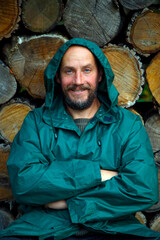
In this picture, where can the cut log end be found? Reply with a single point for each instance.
(144, 32)
(11, 118)
(41, 16)
(128, 73)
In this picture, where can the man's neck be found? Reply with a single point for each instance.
(86, 113)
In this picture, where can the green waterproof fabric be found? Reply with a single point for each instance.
(51, 160)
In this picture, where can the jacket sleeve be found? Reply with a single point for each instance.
(134, 189)
(36, 180)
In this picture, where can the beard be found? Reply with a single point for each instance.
(79, 104)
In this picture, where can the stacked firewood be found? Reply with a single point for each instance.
(31, 31)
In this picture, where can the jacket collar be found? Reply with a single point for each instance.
(61, 119)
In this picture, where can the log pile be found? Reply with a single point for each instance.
(31, 31)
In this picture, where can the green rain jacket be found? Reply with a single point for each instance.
(51, 160)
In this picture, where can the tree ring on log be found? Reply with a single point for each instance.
(144, 32)
(128, 72)
(136, 4)
(41, 15)
(97, 21)
(12, 116)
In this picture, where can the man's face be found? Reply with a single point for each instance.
(79, 77)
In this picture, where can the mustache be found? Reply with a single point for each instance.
(74, 87)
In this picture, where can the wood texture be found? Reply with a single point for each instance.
(128, 73)
(136, 4)
(11, 118)
(5, 190)
(5, 219)
(41, 15)
(144, 33)
(98, 21)
(141, 217)
(8, 84)
(9, 17)
(152, 126)
(155, 223)
(28, 58)
(153, 77)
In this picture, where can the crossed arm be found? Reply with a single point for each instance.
(105, 175)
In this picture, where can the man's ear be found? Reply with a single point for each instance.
(57, 78)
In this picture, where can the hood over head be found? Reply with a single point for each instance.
(107, 93)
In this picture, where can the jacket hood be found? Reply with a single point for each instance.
(107, 93)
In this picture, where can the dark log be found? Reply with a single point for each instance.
(8, 84)
(5, 190)
(153, 77)
(128, 72)
(28, 58)
(12, 116)
(41, 15)
(155, 207)
(152, 126)
(5, 219)
(98, 21)
(143, 32)
(9, 15)
(136, 4)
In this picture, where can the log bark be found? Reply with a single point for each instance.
(136, 4)
(28, 58)
(128, 73)
(152, 126)
(9, 15)
(12, 115)
(41, 15)
(98, 21)
(144, 32)
(8, 84)
(153, 77)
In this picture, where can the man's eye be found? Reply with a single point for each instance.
(68, 71)
(87, 70)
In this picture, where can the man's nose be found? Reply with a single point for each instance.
(78, 78)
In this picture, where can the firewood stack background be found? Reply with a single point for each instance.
(31, 31)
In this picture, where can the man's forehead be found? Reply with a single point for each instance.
(77, 52)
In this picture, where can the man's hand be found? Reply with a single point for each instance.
(107, 174)
(57, 205)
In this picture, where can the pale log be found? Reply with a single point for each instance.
(128, 72)
(153, 77)
(141, 217)
(155, 223)
(9, 17)
(41, 15)
(144, 31)
(12, 116)
(98, 21)
(29, 56)
(8, 84)
(136, 4)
